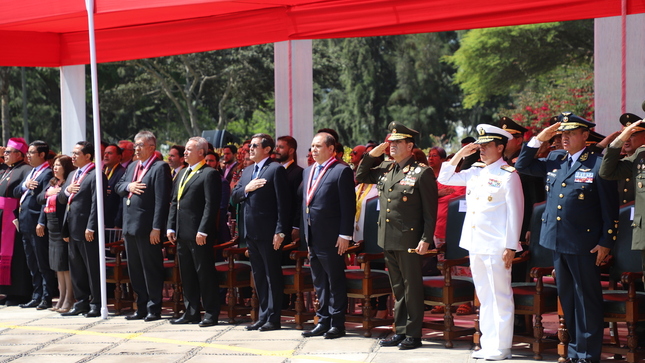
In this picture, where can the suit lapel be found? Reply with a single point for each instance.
(264, 168)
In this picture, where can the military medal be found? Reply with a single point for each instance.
(127, 202)
(417, 170)
(406, 169)
(581, 196)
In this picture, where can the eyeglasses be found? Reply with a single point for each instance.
(254, 146)
(7, 152)
(140, 145)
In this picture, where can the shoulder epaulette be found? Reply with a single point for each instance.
(508, 168)
(479, 164)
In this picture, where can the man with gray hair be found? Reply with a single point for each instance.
(145, 188)
(192, 224)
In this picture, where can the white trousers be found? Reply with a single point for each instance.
(493, 286)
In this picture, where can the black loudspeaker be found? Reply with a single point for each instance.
(220, 138)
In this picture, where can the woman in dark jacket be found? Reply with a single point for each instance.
(52, 215)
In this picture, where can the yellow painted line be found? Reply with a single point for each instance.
(140, 337)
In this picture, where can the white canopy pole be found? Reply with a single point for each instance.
(89, 5)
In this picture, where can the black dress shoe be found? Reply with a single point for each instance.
(31, 304)
(410, 343)
(152, 317)
(269, 326)
(571, 360)
(135, 316)
(393, 341)
(317, 331)
(75, 311)
(207, 322)
(334, 333)
(44, 304)
(255, 326)
(93, 313)
(184, 320)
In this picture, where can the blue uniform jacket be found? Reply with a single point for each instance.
(581, 208)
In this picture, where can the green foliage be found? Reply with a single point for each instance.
(498, 61)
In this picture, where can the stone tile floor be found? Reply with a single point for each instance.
(27, 335)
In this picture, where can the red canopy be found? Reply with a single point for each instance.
(54, 32)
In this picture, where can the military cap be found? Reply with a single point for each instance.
(594, 138)
(511, 126)
(468, 140)
(400, 132)
(629, 118)
(488, 133)
(570, 121)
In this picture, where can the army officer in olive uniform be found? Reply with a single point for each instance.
(408, 202)
(631, 170)
(579, 224)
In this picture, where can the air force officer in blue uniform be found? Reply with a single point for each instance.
(579, 225)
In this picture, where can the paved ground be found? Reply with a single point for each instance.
(27, 335)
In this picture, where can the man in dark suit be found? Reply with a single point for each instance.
(145, 188)
(192, 224)
(229, 162)
(176, 161)
(328, 210)
(408, 202)
(579, 224)
(36, 247)
(79, 229)
(285, 153)
(113, 170)
(285, 150)
(263, 190)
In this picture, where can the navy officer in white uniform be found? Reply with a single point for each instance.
(491, 232)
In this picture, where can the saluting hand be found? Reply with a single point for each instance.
(379, 150)
(629, 130)
(548, 133)
(463, 152)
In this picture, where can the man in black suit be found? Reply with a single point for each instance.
(263, 190)
(176, 161)
(579, 224)
(36, 247)
(79, 229)
(328, 210)
(285, 150)
(229, 161)
(113, 171)
(145, 188)
(192, 224)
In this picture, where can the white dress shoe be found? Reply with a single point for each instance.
(478, 354)
(499, 355)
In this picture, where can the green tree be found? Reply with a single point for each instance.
(500, 61)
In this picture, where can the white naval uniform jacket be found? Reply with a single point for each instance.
(495, 206)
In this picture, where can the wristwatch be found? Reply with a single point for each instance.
(281, 235)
